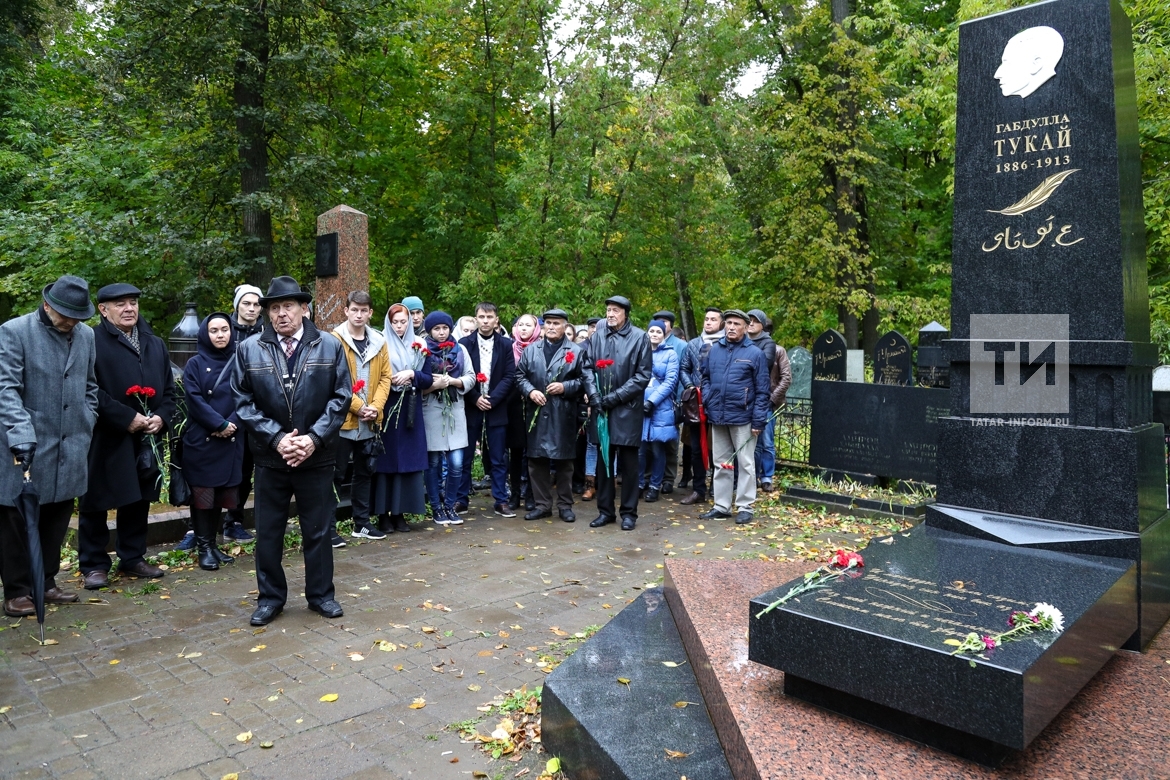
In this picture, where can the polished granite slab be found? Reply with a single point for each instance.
(605, 729)
(888, 623)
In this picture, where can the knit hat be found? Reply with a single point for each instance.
(413, 303)
(243, 290)
(435, 318)
(659, 324)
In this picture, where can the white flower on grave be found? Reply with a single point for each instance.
(1049, 616)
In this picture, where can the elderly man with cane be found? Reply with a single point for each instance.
(48, 407)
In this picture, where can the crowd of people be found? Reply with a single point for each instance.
(555, 411)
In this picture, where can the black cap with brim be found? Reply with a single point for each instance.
(285, 288)
(619, 300)
(557, 314)
(69, 297)
(593, 321)
(736, 313)
(664, 315)
(113, 292)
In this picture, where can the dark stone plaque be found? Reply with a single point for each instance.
(1048, 200)
(933, 366)
(327, 255)
(828, 354)
(887, 430)
(892, 360)
(883, 630)
(800, 360)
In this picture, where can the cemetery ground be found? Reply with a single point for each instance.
(446, 634)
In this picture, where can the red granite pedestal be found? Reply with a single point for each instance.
(353, 264)
(1116, 727)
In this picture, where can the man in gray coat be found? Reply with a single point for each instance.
(551, 377)
(48, 407)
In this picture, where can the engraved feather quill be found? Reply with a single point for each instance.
(1038, 196)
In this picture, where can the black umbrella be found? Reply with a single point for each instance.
(28, 503)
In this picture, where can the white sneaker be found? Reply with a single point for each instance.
(367, 532)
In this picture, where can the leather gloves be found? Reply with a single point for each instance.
(24, 454)
(647, 407)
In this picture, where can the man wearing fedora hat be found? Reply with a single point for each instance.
(123, 471)
(48, 406)
(292, 394)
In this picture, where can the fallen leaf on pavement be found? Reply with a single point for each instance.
(675, 753)
(681, 704)
(265, 745)
(418, 703)
(244, 736)
(329, 697)
(257, 648)
(672, 664)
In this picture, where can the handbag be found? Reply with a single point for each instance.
(690, 406)
(373, 448)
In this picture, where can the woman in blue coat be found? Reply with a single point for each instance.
(658, 425)
(399, 487)
(213, 447)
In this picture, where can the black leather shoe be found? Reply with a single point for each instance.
(602, 520)
(714, 514)
(568, 516)
(743, 517)
(265, 614)
(538, 514)
(141, 569)
(628, 523)
(330, 609)
(96, 579)
(651, 496)
(667, 488)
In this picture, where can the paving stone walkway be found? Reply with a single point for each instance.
(158, 680)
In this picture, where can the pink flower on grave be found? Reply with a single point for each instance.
(989, 642)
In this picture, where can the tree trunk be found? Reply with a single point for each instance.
(251, 72)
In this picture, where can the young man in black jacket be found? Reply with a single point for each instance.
(292, 391)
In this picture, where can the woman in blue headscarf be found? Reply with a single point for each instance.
(213, 445)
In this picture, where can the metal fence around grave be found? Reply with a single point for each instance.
(793, 431)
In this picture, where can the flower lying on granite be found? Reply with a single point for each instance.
(840, 563)
(1043, 617)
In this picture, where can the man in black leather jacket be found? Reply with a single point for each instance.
(292, 391)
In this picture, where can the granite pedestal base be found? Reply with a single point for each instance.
(602, 729)
(887, 624)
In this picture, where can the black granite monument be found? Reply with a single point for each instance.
(933, 367)
(1052, 480)
(829, 357)
(893, 360)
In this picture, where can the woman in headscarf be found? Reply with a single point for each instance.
(526, 331)
(443, 416)
(213, 446)
(464, 328)
(399, 487)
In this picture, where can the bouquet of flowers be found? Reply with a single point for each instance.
(841, 562)
(421, 354)
(446, 363)
(1042, 617)
(556, 377)
(155, 457)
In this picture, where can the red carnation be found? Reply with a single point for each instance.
(447, 345)
(416, 346)
(847, 560)
(148, 392)
(481, 377)
(728, 466)
(568, 357)
(426, 352)
(603, 363)
(358, 386)
(135, 390)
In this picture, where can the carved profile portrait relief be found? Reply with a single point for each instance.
(1029, 60)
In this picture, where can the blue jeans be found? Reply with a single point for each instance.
(766, 452)
(434, 476)
(496, 465)
(655, 452)
(590, 459)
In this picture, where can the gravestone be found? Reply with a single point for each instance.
(828, 354)
(892, 360)
(1052, 477)
(887, 430)
(854, 365)
(343, 252)
(800, 361)
(933, 367)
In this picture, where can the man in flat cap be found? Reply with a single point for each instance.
(551, 378)
(735, 396)
(617, 371)
(48, 407)
(136, 400)
(292, 390)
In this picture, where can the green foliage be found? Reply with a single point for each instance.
(533, 153)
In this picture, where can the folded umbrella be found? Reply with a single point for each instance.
(603, 441)
(28, 504)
